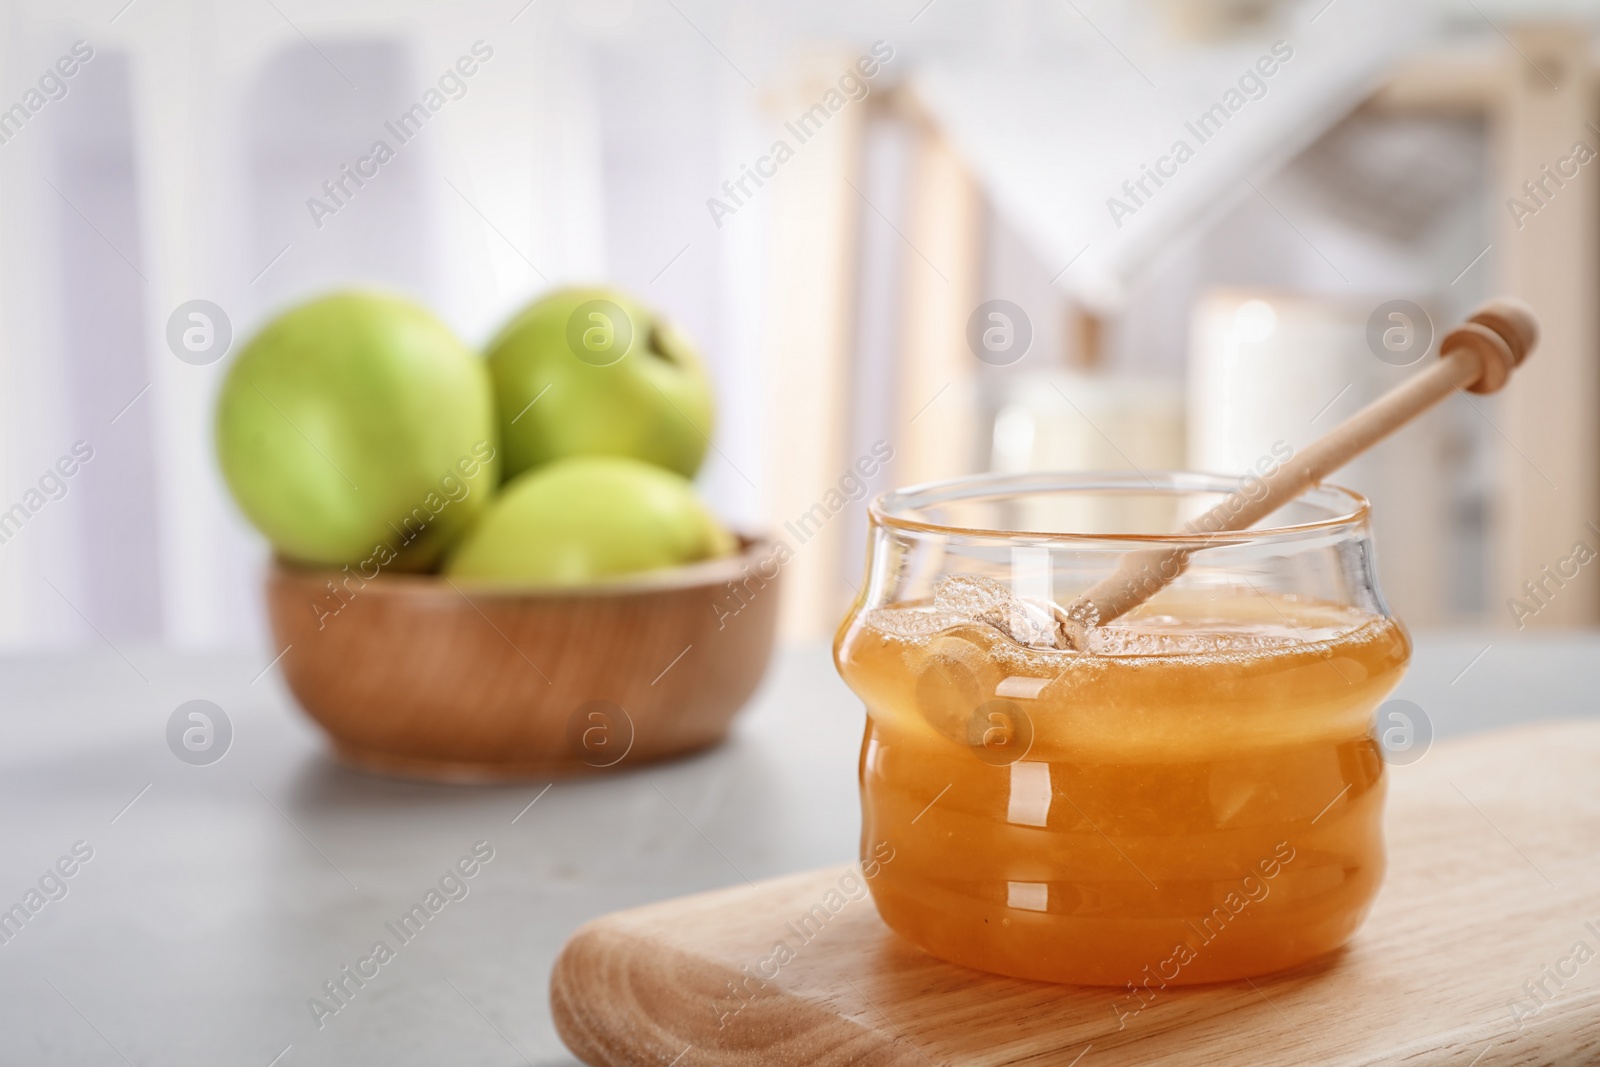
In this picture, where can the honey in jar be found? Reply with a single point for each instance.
(1196, 796)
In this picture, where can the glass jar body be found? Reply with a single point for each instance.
(1196, 797)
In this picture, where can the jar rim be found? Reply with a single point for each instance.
(1349, 509)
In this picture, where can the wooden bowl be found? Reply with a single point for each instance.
(426, 677)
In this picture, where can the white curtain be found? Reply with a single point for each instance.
(178, 166)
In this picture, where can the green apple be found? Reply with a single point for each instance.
(593, 372)
(357, 427)
(585, 519)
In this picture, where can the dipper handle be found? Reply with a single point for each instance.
(1478, 356)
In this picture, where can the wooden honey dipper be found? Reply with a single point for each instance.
(1478, 356)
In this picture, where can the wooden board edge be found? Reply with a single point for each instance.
(619, 1000)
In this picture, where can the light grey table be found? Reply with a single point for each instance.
(219, 899)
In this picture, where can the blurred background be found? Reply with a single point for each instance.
(989, 252)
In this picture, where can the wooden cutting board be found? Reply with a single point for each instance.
(1494, 880)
